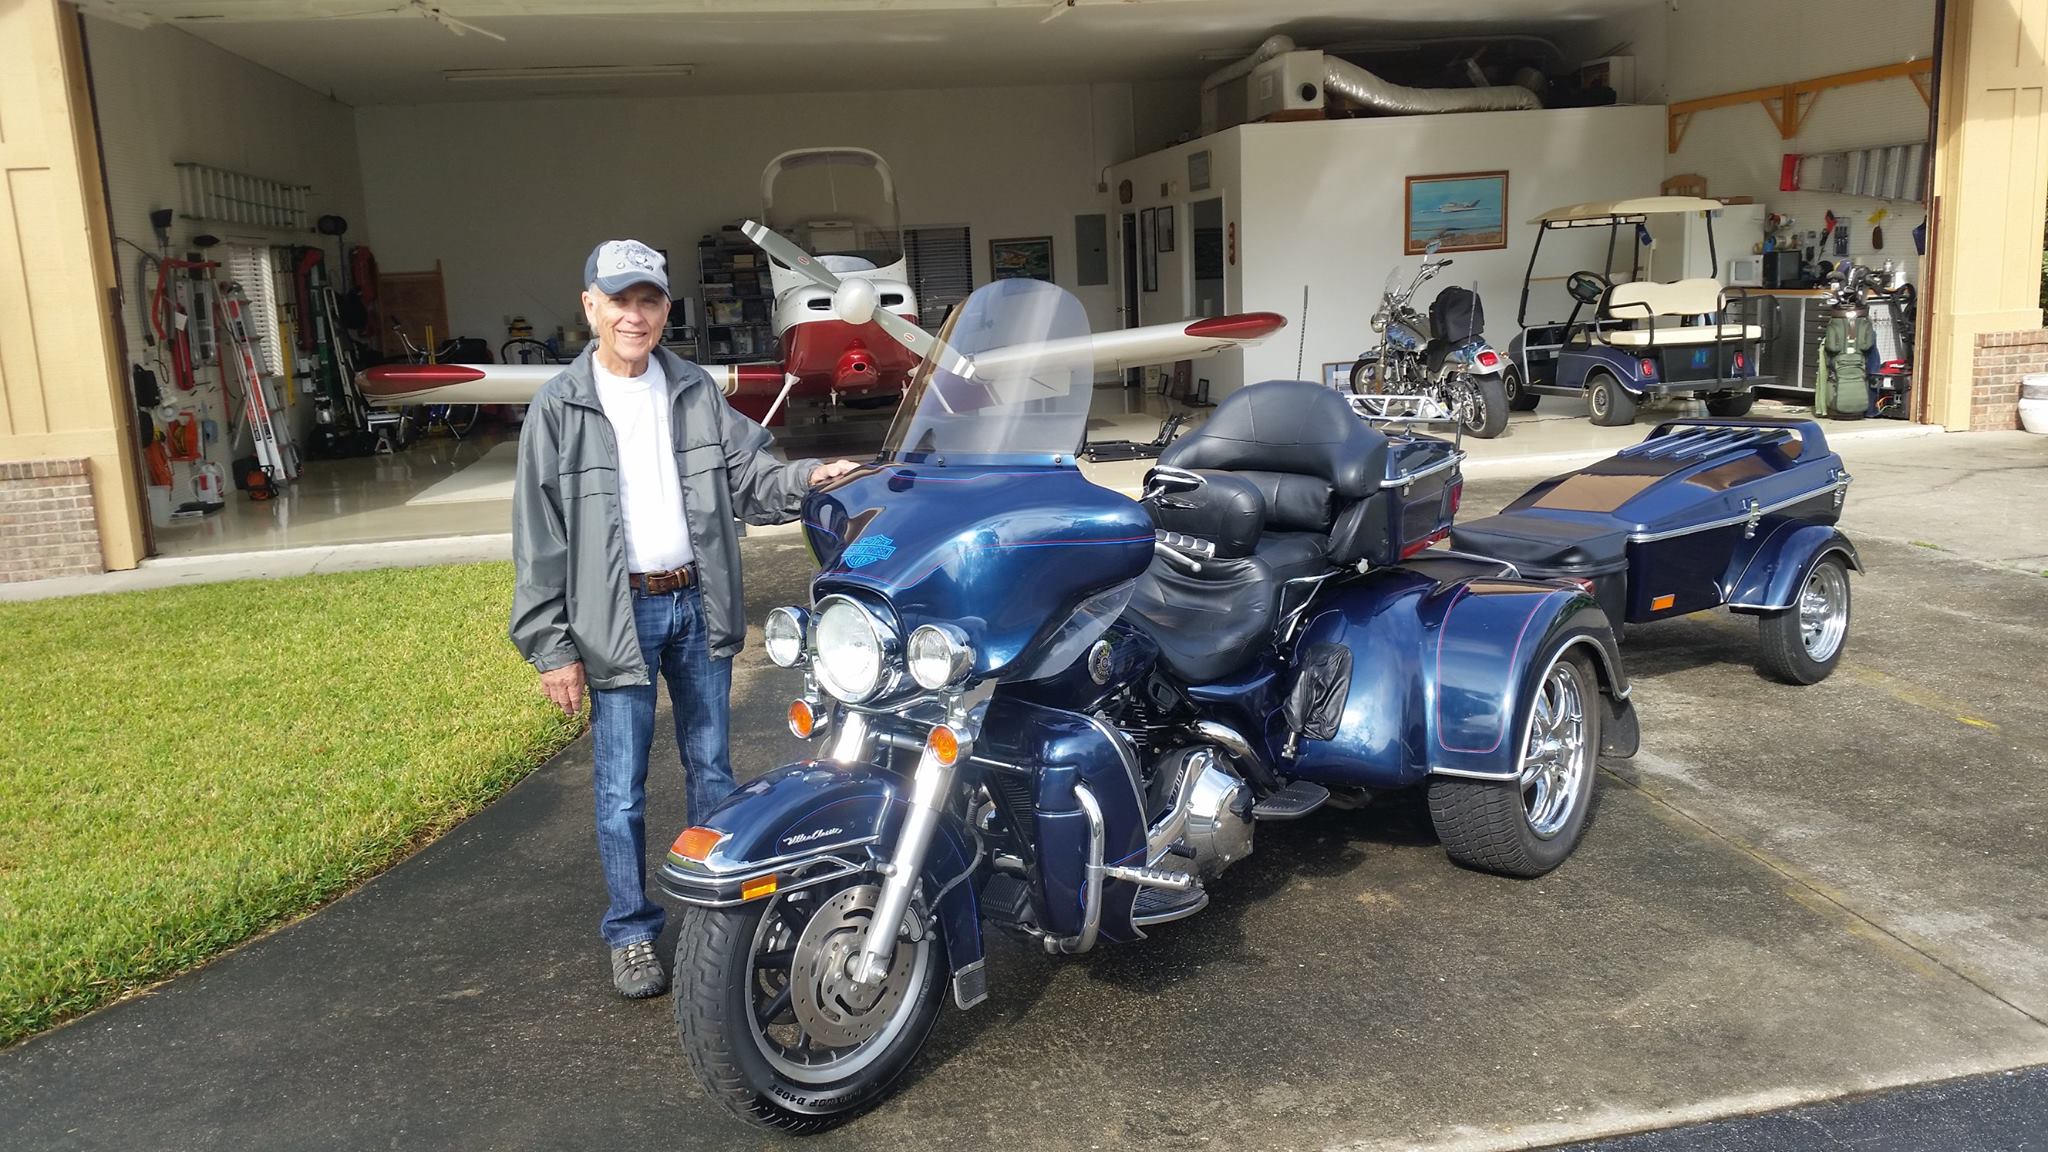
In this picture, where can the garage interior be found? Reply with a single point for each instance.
(446, 169)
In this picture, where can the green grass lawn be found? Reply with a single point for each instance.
(180, 769)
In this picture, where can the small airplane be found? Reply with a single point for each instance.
(847, 317)
(1458, 206)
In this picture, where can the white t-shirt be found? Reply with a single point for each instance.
(650, 490)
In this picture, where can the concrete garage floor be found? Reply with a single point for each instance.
(1790, 895)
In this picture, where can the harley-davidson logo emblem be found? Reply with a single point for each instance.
(868, 550)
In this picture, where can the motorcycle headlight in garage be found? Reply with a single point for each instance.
(853, 649)
(939, 656)
(783, 636)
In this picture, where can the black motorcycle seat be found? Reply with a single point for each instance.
(1210, 624)
(1290, 426)
(1292, 555)
(1549, 545)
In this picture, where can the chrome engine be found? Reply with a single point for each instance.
(1208, 811)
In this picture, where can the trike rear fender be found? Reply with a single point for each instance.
(1441, 674)
(1766, 575)
(811, 822)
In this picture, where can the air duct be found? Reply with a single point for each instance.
(1357, 85)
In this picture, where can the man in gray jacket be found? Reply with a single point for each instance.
(631, 466)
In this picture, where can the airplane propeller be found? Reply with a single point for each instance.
(853, 301)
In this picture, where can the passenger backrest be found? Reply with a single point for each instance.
(1642, 299)
(1289, 428)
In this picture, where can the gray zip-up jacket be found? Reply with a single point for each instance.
(571, 601)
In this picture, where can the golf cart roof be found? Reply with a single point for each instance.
(1623, 211)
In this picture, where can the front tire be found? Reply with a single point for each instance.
(1528, 825)
(1520, 399)
(1367, 378)
(772, 1027)
(1803, 643)
(1607, 402)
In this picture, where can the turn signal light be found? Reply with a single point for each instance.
(802, 721)
(696, 843)
(755, 889)
(943, 745)
(1662, 602)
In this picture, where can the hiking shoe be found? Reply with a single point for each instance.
(636, 973)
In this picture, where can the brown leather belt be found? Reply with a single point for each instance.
(657, 583)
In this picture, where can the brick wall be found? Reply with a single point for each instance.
(2002, 360)
(47, 526)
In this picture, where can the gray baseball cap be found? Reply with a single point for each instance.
(616, 265)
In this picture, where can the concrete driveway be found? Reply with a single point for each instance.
(1791, 894)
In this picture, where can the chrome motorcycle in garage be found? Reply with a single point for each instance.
(1444, 356)
(1046, 706)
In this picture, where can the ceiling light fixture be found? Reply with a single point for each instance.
(572, 72)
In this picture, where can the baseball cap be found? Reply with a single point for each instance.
(616, 265)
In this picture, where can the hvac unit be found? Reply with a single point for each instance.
(1289, 82)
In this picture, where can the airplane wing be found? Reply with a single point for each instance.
(393, 385)
(1136, 347)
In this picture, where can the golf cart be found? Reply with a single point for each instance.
(1637, 338)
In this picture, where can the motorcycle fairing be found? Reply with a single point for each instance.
(951, 544)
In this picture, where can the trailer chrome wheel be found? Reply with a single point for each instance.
(776, 1029)
(1803, 643)
(1528, 824)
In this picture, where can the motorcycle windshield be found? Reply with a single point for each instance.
(1018, 373)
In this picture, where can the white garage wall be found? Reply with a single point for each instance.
(162, 97)
(1738, 149)
(1320, 204)
(510, 197)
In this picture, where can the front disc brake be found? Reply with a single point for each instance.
(833, 1009)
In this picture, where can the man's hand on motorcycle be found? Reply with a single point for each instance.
(832, 471)
(564, 686)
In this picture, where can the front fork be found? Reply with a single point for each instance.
(931, 786)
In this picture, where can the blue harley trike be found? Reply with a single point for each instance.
(1051, 708)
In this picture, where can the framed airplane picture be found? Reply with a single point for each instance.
(1460, 212)
(1025, 256)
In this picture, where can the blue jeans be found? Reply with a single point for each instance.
(674, 643)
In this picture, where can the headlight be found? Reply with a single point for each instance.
(939, 656)
(784, 636)
(1379, 321)
(852, 649)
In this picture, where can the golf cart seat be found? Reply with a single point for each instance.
(1647, 300)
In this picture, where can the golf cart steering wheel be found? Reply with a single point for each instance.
(1587, 287)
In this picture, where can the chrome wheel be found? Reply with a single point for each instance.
(1824, 612)
(1556, 756)
(811, 1021)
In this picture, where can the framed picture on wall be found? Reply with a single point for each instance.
(1461, 212)
(1338, 375)
(1029, 257)
(1148, 251)
(1198, 170)
(1162, 231)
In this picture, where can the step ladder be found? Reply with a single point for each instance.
(274, 450)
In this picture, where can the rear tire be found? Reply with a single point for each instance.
(1491, 419)
(1519, 399)
(1736, 404)
(1607, 402)
(1527, 826)
(1803, 643)
(720, 976)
